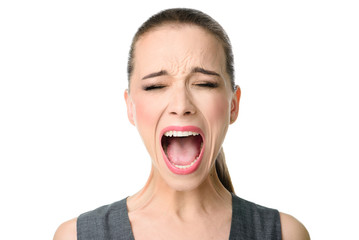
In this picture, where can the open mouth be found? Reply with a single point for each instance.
(182, 150)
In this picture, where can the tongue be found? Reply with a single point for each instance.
(183, 150)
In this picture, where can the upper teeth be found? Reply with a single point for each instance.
(180, 133)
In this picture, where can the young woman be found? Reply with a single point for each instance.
(182, 98)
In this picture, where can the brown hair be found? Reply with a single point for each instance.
(192, 16)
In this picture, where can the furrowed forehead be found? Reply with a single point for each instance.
(169, 47)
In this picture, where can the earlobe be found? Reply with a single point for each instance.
(235, 104)
(129, 105)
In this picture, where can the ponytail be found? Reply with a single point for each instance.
(223, 173)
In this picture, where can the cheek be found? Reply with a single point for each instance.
(217, 114)
(217, 110)
(147, 115)
(144, 113)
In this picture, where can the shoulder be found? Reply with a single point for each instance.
(103, 213)
(253, 221)
(292, 229)
(250, 210)
(67, 231)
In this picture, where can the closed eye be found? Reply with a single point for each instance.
(207, 85)
(153, 87)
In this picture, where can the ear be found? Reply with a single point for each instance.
(235, 104)
(130, 106)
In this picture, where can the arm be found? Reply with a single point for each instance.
(292, 229)
(67, 231)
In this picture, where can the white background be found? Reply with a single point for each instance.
(67, 147)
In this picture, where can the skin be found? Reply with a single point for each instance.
(196, 202)
(180, 79)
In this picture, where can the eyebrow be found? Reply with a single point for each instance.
(194, 70)
(155, 74)
(204, 71)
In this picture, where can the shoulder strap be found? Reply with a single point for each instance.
(252, 221)
(105, 223)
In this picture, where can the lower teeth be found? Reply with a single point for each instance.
(185, 166)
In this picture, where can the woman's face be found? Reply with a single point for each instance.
(181, 101)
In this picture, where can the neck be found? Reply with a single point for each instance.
(157, 195)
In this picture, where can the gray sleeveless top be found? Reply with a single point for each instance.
(249, 222)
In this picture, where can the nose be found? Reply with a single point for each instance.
(180, 103)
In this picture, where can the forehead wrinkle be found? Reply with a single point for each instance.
(188, 64)
(181, 65)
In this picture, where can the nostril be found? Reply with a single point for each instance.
(184, 113)
(181, 106)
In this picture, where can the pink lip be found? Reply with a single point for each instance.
(192, 168)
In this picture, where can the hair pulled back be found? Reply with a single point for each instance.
(198, 18)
